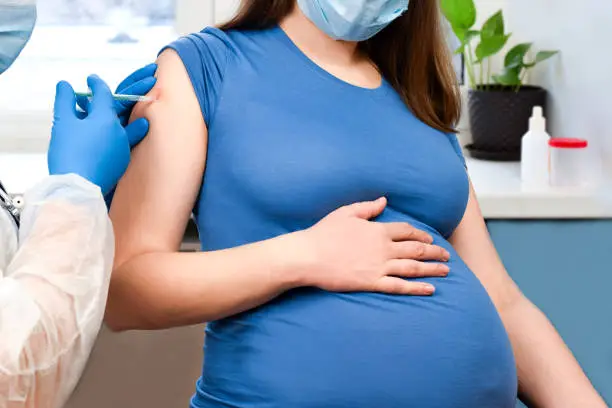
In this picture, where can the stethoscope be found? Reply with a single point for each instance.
(12, 205)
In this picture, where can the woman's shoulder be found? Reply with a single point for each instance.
(206, 54)
(219, 48)
(211, 42)
(215, 37)
(211, 55)
(231, 43)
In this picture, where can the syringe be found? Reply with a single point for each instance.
(119, 97)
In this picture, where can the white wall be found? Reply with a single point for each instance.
(580, 78)
(225, 9)
(193, 15)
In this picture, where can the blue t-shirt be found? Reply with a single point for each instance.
(288, 143)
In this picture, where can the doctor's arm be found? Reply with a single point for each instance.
(53, 292)
(53, 287)
(154, 286)
(549, 375)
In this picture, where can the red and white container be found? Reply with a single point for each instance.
(568, 162)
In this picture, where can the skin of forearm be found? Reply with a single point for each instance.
(549, 375)
(164, 290)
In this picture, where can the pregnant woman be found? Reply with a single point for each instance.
(263, 128)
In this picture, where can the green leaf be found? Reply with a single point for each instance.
(459, 32)
(544, 55)
(490, 46)
(540, 56)
(468, 36)
(460, 13)
(516, 56)
(492, 37)
(510, 76)
(471, 34)
(493, 27)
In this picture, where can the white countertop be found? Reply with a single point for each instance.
(502, 196)
(497, 185)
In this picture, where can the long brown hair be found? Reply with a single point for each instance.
(411, 54)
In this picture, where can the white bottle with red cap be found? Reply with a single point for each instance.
(534, 152)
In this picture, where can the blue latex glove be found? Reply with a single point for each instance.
(138, 83)
(96, 147)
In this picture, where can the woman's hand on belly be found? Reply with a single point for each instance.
(349, 253)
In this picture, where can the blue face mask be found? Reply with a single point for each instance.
(352, 20)
(17, 19)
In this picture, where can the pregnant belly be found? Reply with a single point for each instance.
(314, 349)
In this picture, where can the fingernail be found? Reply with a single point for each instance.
(429, 288)
(447, 255)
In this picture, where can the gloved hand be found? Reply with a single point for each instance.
(137, 83)
(96, 147)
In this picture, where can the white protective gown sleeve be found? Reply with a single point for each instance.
(53, 289)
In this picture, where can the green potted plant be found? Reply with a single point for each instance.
(500, 104)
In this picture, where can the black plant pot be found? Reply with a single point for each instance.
(499, 117)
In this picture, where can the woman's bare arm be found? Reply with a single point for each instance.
(153, 286)
(549, 376)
